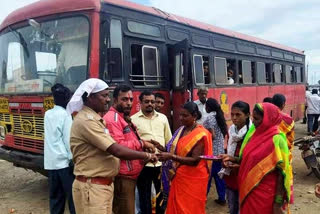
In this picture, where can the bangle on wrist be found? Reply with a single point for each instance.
(147, 156)
(174, 157)
(142, 143)
(278, 199)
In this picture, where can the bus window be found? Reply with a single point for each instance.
(198, 69)
(178, 70)
(46, 64)
(201, 69)
(145, 65)
(298, 74)
(116, 34)
(206, 69)
(268, 73)
(150, 30)
(15, 65)
(288, 74)
(115, 43)
(220, 70)
(231, 71)
(277, 72)
(245, 71)
(261, 72)
(37, 58)
(253, 72)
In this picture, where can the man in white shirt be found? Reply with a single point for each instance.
(57, 153)
(151, 125)
(201, 103)
(308, 93)
(313, 111)
(230, 79)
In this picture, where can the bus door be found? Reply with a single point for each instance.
(179, 68)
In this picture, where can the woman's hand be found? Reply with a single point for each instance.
(229, 161)
(233, 165)
(148, 147)
(277, 208)
(317, 190)
(164, 156)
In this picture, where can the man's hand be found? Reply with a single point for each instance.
(317, 190)
(149, 147)
(158, 145)
(151, 158)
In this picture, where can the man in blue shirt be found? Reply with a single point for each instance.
(57, 154)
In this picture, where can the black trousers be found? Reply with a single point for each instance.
(144, 182)
(60, 189)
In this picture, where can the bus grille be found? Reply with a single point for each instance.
(29, 144)
(5, 117)
(28, 126)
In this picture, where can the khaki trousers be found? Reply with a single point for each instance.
(124, 196)
(91, 198)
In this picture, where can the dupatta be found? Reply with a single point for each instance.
(287, 127)
(270, 150)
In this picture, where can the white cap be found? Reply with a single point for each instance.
(91, 86)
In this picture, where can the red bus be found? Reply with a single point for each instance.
(68, 41)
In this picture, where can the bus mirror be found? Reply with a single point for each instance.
(35, 24)
(114, 62)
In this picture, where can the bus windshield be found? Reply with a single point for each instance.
(35, 57)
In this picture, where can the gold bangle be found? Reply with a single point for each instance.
(148, 156)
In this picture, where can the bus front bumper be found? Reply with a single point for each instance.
(22, 159)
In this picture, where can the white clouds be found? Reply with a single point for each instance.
(277, 21)
(294, 23)
(313, 57)
(9, 6)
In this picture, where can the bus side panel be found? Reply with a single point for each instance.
(178, 99)
(300, 91)
(290, 95)
(262, 92)
(94, 53)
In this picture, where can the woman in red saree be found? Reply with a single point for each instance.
(264, 174)
(187, 175)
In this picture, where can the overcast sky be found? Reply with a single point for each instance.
(295, 23)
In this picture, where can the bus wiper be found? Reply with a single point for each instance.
(21, 39)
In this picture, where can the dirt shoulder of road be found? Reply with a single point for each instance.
(25, 192)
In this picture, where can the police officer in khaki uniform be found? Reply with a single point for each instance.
(95, 153)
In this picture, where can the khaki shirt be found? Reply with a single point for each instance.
(89, 142)
(156, 128)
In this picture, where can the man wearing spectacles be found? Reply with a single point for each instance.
(151, 125)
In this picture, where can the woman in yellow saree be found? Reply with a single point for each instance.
(184, 173)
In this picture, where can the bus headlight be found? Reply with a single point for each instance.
(2, 132)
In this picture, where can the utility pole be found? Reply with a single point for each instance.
(307, 74)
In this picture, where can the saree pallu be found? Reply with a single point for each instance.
(188, 189)
(264, 154)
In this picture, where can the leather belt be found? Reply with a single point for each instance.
(95, 180)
